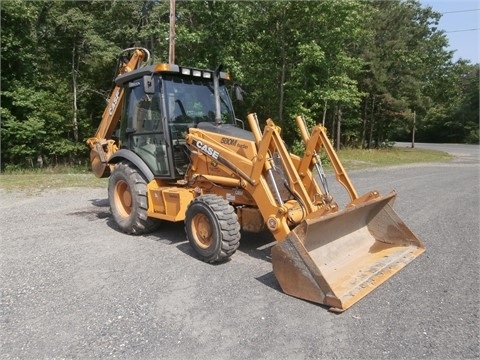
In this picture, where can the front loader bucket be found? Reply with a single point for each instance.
(339, 258)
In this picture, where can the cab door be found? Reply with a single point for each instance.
(143, 126)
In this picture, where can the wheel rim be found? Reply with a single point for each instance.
(123, 198)
(202, 231)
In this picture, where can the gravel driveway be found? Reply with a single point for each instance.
(72, 286)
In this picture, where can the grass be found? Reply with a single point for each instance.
(38, 180)
(34, 182)
(355, 159)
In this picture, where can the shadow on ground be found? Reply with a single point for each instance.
(256, 245)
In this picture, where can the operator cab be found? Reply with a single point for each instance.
(161, 103)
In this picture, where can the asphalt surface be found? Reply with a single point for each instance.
(72, 286)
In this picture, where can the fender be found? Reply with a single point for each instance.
(124, 154)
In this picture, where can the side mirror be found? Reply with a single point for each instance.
(148, 85)
(238, 92)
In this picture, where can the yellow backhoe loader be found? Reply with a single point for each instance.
(173, 150)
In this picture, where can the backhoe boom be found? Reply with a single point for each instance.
(102, 146)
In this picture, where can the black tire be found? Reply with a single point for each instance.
(212, 228)
(127, 194)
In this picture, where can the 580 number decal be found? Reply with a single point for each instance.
(228, 141)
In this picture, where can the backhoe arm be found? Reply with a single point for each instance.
(101, 145)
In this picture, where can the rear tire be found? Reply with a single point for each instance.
(127, 194)
(212, 228)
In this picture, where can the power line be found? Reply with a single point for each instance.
(459, 11)
(454, 31)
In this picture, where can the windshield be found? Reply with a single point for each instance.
(190, 101)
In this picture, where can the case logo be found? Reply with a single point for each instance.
(207, 149)
(114, 102)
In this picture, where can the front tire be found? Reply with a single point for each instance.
(127, 194)
(212, 228)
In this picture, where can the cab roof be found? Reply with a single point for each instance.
(168, 69)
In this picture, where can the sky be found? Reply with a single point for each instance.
(459, 19)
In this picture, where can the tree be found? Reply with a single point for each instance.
(454, 115)
(360, 68)
(404, 60)
(64, 54)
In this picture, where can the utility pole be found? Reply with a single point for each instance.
(413, 130)
(339, 128)
(171, 50)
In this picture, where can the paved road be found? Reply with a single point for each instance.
(72, 286)
(463, 151)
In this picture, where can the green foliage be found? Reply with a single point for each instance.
(361, 67)
(456, 118)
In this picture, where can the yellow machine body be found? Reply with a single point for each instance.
(236, 179)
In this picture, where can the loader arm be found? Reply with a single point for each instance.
(241, 172)
(313, 145)
(101, 144)
(253, 172)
